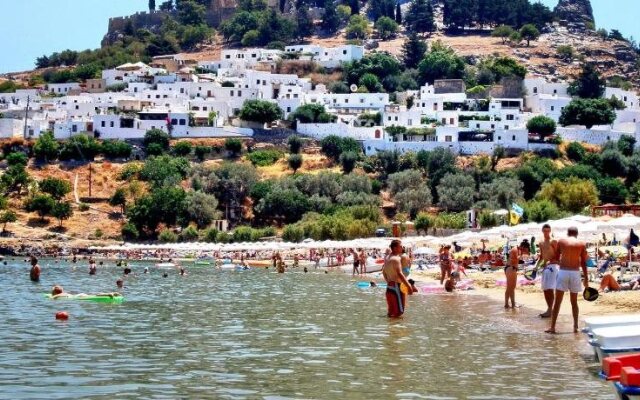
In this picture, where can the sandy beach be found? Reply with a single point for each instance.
(532, 297)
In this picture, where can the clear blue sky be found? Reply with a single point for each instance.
(32, 28)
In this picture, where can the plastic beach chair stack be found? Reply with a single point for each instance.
(616, 342)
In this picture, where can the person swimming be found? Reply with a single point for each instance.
(34, 274)
(57, 292)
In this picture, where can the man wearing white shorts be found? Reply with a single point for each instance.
(572, 256)
(549, 263)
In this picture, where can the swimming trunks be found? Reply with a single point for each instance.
(569, 281)
(549, 277)
(395, 300)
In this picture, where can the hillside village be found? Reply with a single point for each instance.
(203, 101)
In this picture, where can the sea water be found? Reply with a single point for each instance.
(261, 335)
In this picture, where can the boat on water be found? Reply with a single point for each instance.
(616, 340)
(608, 321)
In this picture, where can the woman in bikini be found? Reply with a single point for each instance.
(511, 273)
(445, 263)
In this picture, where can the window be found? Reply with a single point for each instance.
(111, 124)
(195, 108)
(435, 107)
(239, 93)
(555, 91)
(174, 121)
(513, 138)
(288, 109)
(389, 118)
(344, 52)
(451, 121)
(361, 101)
(506, 127)
(74, 128)
(377, 134)
(410, 122)
(183, 121)
(535, 90)
(478, 126)
(510, 117)
(493, 126)
(204, 108)
(444, 121)
(499, 137)
(447, 138)
(77, 107)
(231, 93)
(103, 124)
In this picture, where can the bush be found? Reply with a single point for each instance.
(295, 144)
(572, 195)
(487, 219)
(158, 137)
(211, 235)
(613, 163)
(129, 232)
(116, 149)
(46, 147)
(293, 233)
(233, 146)
(202, 151)
(154, 149)
(182, 149)
(541, 125)
(189, 234)
(575, 152)
(295, 162)
(264, 158)
(348, 161)
(386, 27)
(541, 211)
(130, 171)
(83, 207)
(167, 236)
(611, 191)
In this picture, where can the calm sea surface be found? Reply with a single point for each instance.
(260, 335)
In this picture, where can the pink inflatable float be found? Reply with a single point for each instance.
(432, 289)
(522, 281)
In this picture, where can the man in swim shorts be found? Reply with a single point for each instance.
(549, 264)
(572, 256)
(34, 274)
(392, 273)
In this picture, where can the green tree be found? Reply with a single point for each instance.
(348, 161)
(344, 12)
(529, 32)
(456, 192)
(119, 199)
(412, 201)
(158, 137)
(201, 208)
(542, 126)
(575, 151)
(295, 144)
(589, 84)
(201, 152)
(614, 163)
(182, 149)
(304, 22)
(409, 179)
(502, 192)
(370, 82)
(566, 52)
(587, 112)
(292, 233)
(233, 146)
(611, 191)
(295, 162)
(504, 32)
(413, 51)
(419, 18)
(116, 149)
(311, 113)
(190, 12)
(284, 205)
(423, 222)
(333, 146)
(358, 27)
(626, 145)
(261, 111)
(42, 204)
(330, 20)
(386, 27)
(56, 188)
(440, 63)
(152, 5)
(165, 170)
(46, 147)
(7, 217)
(572, 195)
(62, 210)
(541, 211)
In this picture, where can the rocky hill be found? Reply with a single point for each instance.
(575, 12)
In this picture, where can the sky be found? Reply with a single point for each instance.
(38, 27)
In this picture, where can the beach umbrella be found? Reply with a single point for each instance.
(626, 221)
(424, 251)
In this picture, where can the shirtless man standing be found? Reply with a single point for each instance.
(392, 273)
(549, 263)
(34, 274)
(572, 256)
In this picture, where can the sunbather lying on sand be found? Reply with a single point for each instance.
(609, 284)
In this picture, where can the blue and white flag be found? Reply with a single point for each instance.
(517, 209)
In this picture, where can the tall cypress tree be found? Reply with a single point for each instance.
(152, 5)
(419, 19)
(398, 14)
(355, 6)
(330, 20)
(413, 51)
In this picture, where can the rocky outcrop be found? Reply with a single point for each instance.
(576, 13)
